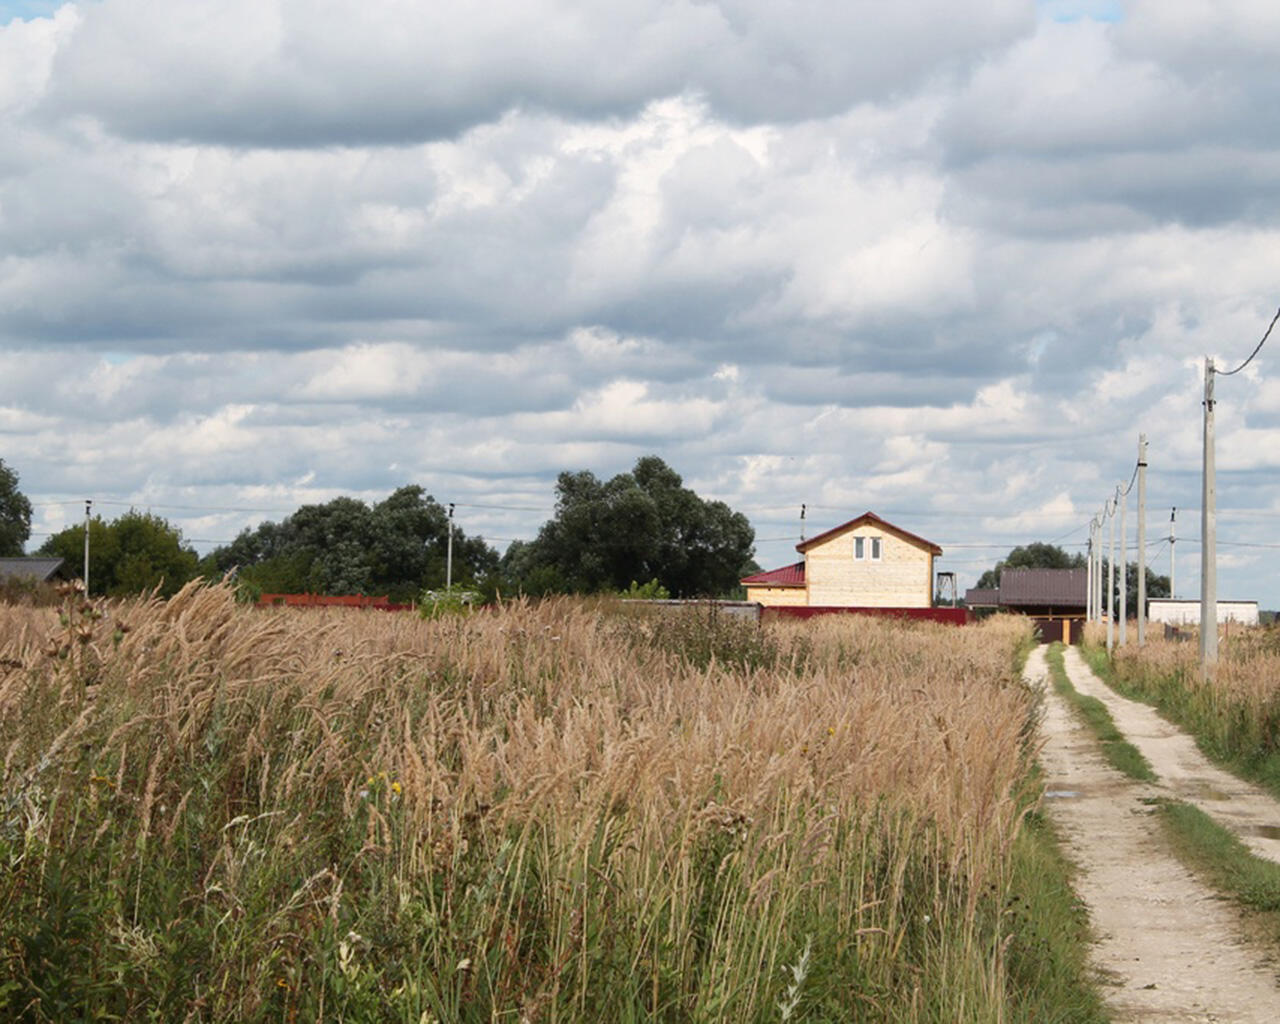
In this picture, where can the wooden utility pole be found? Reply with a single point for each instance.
(1208, 535)
(1173, 552)
(448, 558)
(1142, 539)
(88, 505)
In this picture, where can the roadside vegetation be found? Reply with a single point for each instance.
(548, 811)
(1119, 752)
(1234, 717)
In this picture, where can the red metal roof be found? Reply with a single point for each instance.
(787, 576)
(870, 517)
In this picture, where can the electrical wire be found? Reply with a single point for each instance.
(1228, 373)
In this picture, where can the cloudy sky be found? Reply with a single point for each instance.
(943, 261)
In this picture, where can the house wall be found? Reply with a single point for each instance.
(903, 578)
(1187, 613)
(778, 597)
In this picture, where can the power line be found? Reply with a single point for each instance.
(1228, 373)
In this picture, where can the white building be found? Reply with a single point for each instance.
(1178, 612)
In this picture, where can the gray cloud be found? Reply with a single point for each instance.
(259, 254)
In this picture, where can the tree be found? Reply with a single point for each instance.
(1157, 586)
(129, 555)
(397, 547)
(642, 525)
(15, 514)
(1032, 556)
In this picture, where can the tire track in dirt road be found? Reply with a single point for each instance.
(1167, 948)
(1185, 773)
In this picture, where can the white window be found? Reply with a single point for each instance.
(875, 549)
(859, 548)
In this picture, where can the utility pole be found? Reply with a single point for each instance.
(88, 505)
(1208, 535)
(1123, 581)
(1173, 553)
(448, 559)
(802, 521)
(1098, 520)
(1088, 578)
(1142, 539)
(1111, 578)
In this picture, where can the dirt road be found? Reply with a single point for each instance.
(1167, 947)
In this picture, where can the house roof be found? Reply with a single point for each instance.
(982, 597)
(787, 576)
(1066, 588)
(869, 517)
(39, 569)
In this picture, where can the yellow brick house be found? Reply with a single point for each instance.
(864, 563)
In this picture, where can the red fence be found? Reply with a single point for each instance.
(382, 604)
(950, 616)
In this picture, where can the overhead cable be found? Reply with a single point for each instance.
(1228, 373)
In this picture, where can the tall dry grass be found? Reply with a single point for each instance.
(558, 811)
(1234, 710)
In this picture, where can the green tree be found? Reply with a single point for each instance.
(642, 525)
(1157, 586)
(135, 553)
(397, 547)
(1032, 556)
(15, 514)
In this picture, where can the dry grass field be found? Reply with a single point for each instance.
(566, 811)
(1234, 713)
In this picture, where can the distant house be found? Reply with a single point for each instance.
(1056, 598)
(864, 563)
(1176, 612)
(32, 570)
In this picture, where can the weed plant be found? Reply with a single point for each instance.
(548, 812)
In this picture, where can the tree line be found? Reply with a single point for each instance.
(638, 527)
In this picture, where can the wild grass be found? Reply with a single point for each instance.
(1122, 755)
(1220, 857)
(551, 812)
(1234, 713)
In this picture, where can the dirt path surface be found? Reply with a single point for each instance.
(1167, 947)
(1185, 773)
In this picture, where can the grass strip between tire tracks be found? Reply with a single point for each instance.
(1119, 752)
(1222, 859)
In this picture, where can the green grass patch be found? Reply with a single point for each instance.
(1221, 858)
(1048, 933)
(1119, 752)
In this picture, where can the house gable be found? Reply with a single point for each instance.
(866, 562)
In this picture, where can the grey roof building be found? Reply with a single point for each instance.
(38, 570)
(1035, 592)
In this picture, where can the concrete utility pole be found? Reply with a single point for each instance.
(1173, 553)
(1099, 519)
(1111, 579)
(802, 521)
(1208, 535)
(88, 505)
(1123, 597)
(1142, 539)
(1088, 577)
(448, 558)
